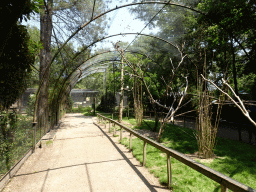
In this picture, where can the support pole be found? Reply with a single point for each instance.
(120, 115)
(121, 134)
(114, 132)
(130, 146)
(94, 106)
(144, 153)
(224, 188)
(34, 137)
(169, 171)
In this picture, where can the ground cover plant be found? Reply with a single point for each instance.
(232, 158)
(87, 111)
(19, 143)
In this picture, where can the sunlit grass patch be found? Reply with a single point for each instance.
(234, 159)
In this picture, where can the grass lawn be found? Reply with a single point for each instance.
(234, 159)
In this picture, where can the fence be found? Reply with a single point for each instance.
(18, 142)
(225, 181)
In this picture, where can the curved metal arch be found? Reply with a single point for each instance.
(67, 79)
(65, 90)
(74, 70)
(96, 17)
(122, 6)
(85, 48)
(102, 14)
(77, 67)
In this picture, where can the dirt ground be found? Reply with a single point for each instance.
(82, 157)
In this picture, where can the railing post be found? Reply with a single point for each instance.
(144, 153)
(34, 137)
(223, 188)
(105, 123)
(169, 171)
(130, 141)
(184, 119)
(109, 126)
(112, 116)
(121, 134)
(114, 132)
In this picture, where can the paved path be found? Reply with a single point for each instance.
(82, 157)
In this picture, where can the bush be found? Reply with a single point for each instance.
(107, 103)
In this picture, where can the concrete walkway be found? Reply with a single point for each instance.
(82, 157)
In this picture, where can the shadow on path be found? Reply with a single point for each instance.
(150, 187)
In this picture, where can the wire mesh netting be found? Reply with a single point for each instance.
(157, 42)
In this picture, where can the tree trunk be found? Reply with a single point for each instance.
(45, 59)
(156, 118)
(122, 89)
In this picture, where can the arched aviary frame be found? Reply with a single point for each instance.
(98, 16)
(77, 67)
(66, 84)
(84, 49)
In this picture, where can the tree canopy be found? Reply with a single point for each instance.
(17, 52)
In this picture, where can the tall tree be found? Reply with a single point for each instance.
(55, 15)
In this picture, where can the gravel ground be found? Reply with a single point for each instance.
(82, 157)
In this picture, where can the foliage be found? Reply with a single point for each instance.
(15, 60)
(206, 132)
(31, 105)
(93, 81)
(107, 102)
(81, 109)
(35, 47)
(8, 127)
(69, 103)
(15, 139)
(225, 37)
(138, 105)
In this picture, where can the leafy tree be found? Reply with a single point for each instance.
(227, 32)
(16, 50)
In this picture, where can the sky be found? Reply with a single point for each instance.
(122, 22)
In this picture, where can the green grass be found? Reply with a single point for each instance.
(236, 160)
(87, 111)
(48, 142)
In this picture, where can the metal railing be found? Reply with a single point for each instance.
(225, 181)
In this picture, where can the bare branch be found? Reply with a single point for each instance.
(241, 106)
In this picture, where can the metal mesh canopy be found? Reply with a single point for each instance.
(97, 25)
(92, 28)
